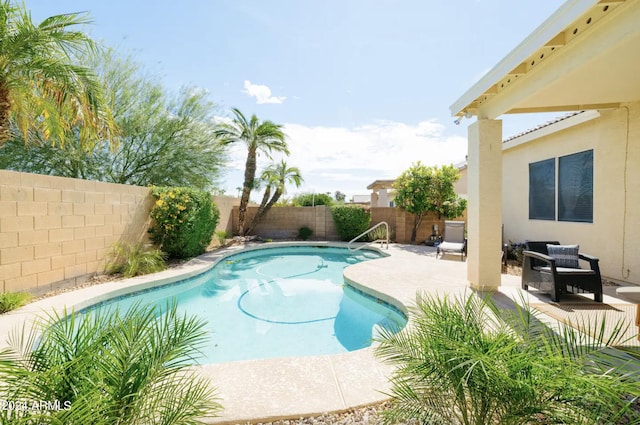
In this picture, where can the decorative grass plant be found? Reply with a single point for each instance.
(134, 260)
(12, 300)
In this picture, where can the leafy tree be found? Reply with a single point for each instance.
(165, 140)
(312, 199)
(109, 367)
(258, 137)
(41, 88)
(422, 189)
(339, 196)
(466, 362)
(274, 177)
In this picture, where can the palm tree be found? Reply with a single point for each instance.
(466, 361)
(109, 366)
(41, 88)
(259, 137)
(275, 176)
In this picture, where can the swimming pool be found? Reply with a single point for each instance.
(278, 302)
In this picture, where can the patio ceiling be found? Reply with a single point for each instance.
(585, 56)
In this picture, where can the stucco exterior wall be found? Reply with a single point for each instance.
(614, 235)
(225, 205)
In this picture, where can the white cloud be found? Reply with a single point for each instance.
(261, 92)
(348, 159)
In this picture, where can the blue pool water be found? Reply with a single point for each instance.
(276, 302)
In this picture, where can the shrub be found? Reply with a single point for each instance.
(184, 220)
(12, 300)
(221, 237)
(108, 367)
(350, 221)
(467, 362)
(134, 260)
(379, 233)
(304, 233)
(514, 251)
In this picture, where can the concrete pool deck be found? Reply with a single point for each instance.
(270, 389)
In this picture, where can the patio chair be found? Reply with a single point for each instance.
(557, 271)
(454, 240)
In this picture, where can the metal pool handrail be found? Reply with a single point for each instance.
(366, 232)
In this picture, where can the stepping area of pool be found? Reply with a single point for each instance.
(270, 389)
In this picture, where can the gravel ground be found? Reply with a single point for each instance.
(368, 415)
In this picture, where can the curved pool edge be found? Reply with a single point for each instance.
(311, 385)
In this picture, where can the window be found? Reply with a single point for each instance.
(542, 190)
(575, 187)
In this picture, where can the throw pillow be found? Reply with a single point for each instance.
(565, 255)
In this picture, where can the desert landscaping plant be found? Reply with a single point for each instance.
(464, 361)
(350, 221)
(41, 88)
(304, 233)
(274, 178)
(221, 237)
(184, 220)
(108, 367)
(263, 137)
(12, 300)
(131, 259)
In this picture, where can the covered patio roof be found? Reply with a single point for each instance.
(585, 56)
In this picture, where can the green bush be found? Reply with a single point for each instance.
(304, 233)
(12, 300)
(350, 221)
(221, 237)
(134, 260)
(184, 221)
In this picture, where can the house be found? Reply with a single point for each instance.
(364, 200)
(382, 192)
(574, 180)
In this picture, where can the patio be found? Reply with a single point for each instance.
(293, 387)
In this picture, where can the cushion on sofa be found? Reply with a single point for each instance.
(565, 255)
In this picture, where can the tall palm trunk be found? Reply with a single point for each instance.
(264, 208)
(249, 177)
(5, 106)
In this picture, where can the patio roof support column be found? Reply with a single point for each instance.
(484, 211)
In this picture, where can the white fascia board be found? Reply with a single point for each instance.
(551, 128)
(552, 26)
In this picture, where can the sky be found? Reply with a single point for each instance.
(362, 87)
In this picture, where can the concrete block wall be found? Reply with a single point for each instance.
(284, 222)
(54, 231)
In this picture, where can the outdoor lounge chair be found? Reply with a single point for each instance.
(454, 240)
(557, 270)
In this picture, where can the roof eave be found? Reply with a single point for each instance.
(550, 28)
